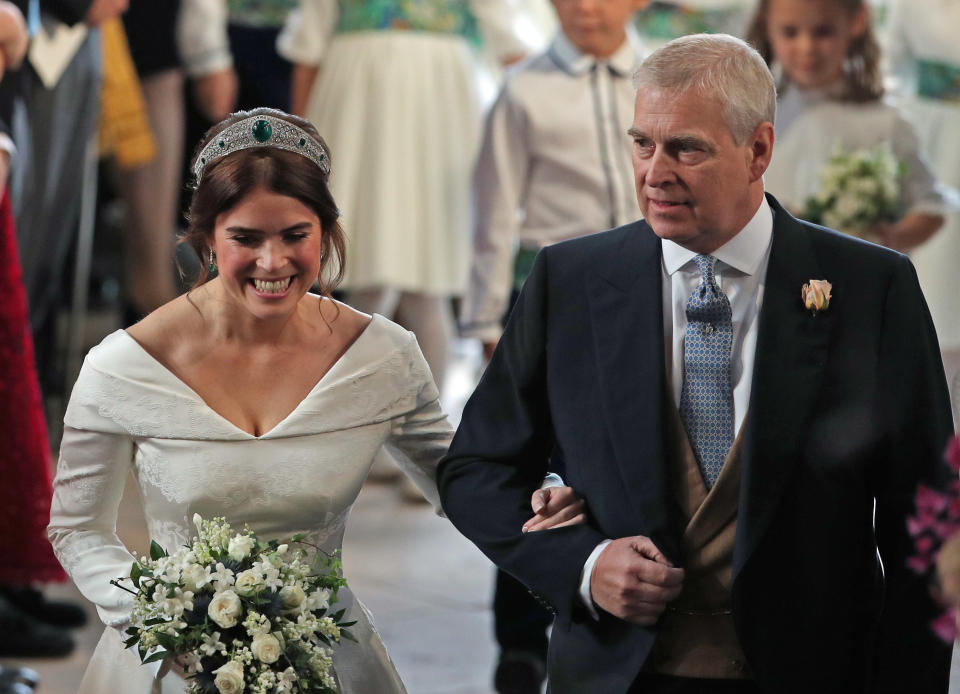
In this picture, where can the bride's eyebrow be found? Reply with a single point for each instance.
(250, 230)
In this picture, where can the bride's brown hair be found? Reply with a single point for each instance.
(227, 181)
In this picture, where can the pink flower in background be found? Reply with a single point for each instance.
(930, 500)
(934, 529)
(945, 626)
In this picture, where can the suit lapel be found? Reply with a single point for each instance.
(626, 315)
(791, 351)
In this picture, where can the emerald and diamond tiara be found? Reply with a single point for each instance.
(262, 131)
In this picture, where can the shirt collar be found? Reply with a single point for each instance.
(744, 252)
(623, 61)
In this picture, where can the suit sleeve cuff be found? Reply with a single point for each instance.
(587, 574)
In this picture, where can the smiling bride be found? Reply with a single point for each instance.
(248, 398)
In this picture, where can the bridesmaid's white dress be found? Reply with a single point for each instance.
(128, 412)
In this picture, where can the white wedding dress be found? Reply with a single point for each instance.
(128, 412)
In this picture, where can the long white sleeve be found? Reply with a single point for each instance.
(91, 472)
(920, 189)
(201, 36)
(420, 438)
(500, 185)
(307, 31)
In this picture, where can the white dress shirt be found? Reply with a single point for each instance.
(554, 165)
(741, 272)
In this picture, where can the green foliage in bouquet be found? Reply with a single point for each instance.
(239, 614)
(858, 190)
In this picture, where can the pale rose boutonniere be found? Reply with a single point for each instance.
(816, 295)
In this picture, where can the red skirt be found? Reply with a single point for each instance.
(25, 554)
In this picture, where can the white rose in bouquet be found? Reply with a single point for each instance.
(265, 648)
(240, 547)
(292, 596)
(225, 609)
(248, 582)
(229, 678)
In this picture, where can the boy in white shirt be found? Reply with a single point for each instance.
(555, 159)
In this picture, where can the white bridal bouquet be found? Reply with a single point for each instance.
(239, 614)
(859, 189)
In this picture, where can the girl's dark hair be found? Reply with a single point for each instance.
(225, 182)
(861, 70)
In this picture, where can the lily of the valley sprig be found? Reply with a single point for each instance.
(816, 295)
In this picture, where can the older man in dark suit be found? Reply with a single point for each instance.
(748, 446)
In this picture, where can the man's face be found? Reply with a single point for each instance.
(596, 27)
(695, 185)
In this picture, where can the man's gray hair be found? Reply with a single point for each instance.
(717, 66)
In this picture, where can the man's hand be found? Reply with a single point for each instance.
(632, 580)
(215, 94)
(102, 10)
(555, 507)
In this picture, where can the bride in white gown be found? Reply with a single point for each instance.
(247, 398)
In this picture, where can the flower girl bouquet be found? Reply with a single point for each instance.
(239, 614)
(859, 190)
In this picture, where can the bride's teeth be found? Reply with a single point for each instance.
(271, 287)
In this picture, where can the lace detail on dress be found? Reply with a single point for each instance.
(148, 413)
(405, 374)
(87, 484)
(156, 473)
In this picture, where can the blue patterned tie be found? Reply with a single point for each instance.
(706, 402)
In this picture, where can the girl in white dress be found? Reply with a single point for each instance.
(393, 87)
(830, 91)
(247, 398)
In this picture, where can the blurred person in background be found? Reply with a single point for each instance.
(829, 101)
(53, 123)
(151, 191)
(924, 55)
(30, 625)
(392, 86)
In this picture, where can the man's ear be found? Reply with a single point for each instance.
(761, 149)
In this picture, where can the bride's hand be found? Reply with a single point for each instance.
(555, 507)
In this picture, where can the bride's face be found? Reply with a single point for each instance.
(268, 252)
